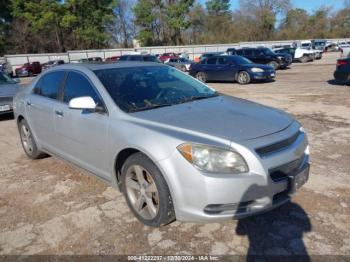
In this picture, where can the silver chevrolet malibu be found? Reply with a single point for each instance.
(175, 147)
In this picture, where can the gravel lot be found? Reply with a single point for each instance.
(49, 207)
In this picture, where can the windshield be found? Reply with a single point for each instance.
(145, 88)
(240, 60)
(5, 79)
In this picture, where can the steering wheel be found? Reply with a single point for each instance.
(167, 91)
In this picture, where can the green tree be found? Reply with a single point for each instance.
(294, 25)
(263, 13)
(5, 20)
(218, 7)
(177, 19)
(340, 23)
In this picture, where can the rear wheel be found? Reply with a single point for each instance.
(243, 78)
(28, 142)
(201, 76)
(146, 191)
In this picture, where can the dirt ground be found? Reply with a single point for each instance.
(49, 207)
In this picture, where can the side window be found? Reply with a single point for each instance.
(49, 84)
(211, 61)
(77, 86)
(222, 61)
(123, 58)
(248, 52)
(239, 52)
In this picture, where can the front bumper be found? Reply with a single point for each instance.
(267, 75)
(203, 197)
(6, 105)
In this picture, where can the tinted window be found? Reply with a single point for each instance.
(211, 61)
(248, 52)
(123, 58)
(5, 79)
(135, 58)
(239, 52)
(77, 86)
(240, 60)
(222, 61)
(49, 84)
(150, 58)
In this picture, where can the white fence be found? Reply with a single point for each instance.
(192, 50)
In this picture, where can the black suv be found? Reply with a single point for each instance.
(140, 58)
(263, 55)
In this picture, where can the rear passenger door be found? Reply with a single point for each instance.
(226, 69)
(82, 134)
(210, 68)
(40, 105)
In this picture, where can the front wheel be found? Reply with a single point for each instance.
(273, 64)
(146, 191)
(304, 59)
(201, 76)
(243, 78)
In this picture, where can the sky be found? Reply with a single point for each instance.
(309, 5)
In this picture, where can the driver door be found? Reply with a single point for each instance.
(82, 135)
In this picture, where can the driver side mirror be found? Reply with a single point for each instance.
(84, 102)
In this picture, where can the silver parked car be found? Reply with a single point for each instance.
(182, 64)
(8, 89)
(175, 147)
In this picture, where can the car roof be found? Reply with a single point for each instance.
(101, 66)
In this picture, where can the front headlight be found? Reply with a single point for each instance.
(257, 70)
(213, 159)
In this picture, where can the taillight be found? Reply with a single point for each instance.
(342, 62)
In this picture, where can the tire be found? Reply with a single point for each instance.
(154, 207)
(274, 64)
(30, 74)
(183, 68)
(304, 59)
(201, 76)
(243, 78)
(28, 141)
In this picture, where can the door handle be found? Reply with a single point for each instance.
(59, 113)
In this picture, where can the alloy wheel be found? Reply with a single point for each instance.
(142, 192)
(201, 77)
(243, 78)
(27, 140)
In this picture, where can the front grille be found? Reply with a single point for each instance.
(265, 150)
(281, 172)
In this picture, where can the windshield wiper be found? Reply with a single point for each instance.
(138, 109)
(193, 98)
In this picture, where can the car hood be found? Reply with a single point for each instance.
(8, 90)
(265, 67)
(225, 117)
